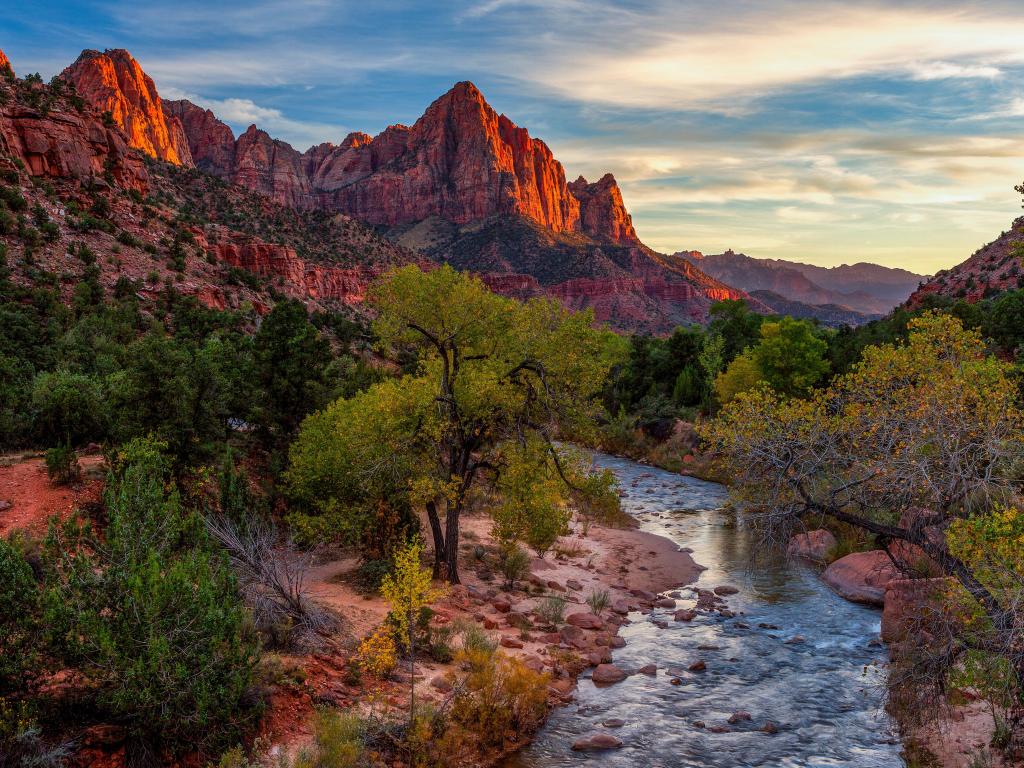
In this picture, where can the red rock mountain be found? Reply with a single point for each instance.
(114, 82)
(5, 62)
(62, 141)
(462, 185)
(991, 270)
(460, 161)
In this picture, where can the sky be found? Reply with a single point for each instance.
(825, 132)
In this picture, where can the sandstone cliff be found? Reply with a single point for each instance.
(114, 82)
(5, 62)
(460, 161)
(211, 142)
(462, 185)
(54, 139)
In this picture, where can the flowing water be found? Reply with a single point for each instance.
(824, 694)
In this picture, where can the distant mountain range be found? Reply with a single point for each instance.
(462, 185)
(864, 289)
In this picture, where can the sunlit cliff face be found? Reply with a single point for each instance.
(115, 83)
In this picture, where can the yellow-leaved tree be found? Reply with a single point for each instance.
(910, 446)
(493, 383)
(408, 590)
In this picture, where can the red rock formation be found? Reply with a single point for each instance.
(602, 212)
(500, 200)
(67, 144)
(317, 281)
(915, 605)
(272, 168)
(460, 161)
(861, 577)
(5, 62)
(211, 142)
(114, 82)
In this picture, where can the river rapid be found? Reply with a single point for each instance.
(823, 693)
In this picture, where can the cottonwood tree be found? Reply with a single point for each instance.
(494, 378)
(917, 439)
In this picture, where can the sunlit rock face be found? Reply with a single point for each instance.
(460, 161)
(602, 212)
(66, 143)
(114, 82)
(5, 62)
(463, 185)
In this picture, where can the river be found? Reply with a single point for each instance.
(824, 694)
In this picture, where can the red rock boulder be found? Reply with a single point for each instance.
(861, 577)
(911, 605)
(813, 545)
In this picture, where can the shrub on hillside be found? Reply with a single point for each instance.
(19, 620)
(151, 614)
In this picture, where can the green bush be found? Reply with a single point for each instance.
(62, 465)
(152, 614)
(68, 407)
(551, 611)
(688, 389)
(515, 565)
(340, 742)
(598, 600)
(19, 619)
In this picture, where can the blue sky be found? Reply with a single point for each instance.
(822, 131)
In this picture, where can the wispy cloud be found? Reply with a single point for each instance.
(241, 113)
(666, 55)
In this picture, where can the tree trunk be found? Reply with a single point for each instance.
(440, 549)
(452, 544)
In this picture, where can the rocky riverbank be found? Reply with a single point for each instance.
(627, 568)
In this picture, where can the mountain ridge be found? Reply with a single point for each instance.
(992, 269)
(869, 289)
(460, 163)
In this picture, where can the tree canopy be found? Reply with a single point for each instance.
(914, 440)
(789, 357)
(495, 382)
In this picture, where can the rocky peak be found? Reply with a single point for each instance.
(461, 161)
(602, 212)
(113, 81)
(5, 62)
(356, 139)
(210, 141)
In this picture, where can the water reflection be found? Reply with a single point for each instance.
(800, 660)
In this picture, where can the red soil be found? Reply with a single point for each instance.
(34, 499)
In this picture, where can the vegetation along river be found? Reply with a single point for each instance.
(824, 694)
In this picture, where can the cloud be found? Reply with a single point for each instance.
(667, 55)
(241, 113)
(943, 70)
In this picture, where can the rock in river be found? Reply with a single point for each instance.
(861, 577)
(596, 741)
(606, 674)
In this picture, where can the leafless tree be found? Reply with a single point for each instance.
(272, 578)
